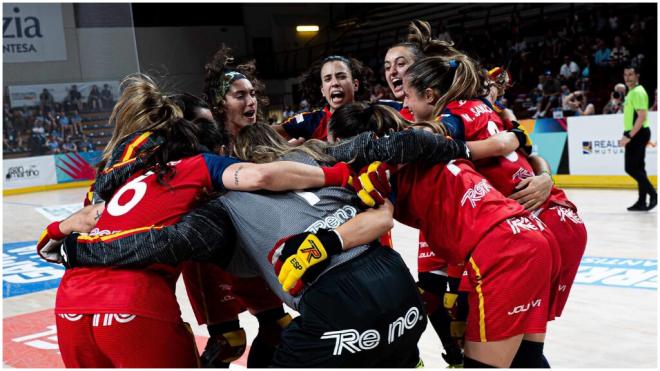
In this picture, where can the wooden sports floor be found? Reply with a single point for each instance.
(610, 320)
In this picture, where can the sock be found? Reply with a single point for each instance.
(529, 355)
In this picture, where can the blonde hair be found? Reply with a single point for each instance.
(260, 143)
(142, 106)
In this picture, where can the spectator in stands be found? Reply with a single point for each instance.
(53, 144)
(304, 106)
(11, 137)
(615, 104)
(584, 80)
(550, 99)
(602, 54)
(38, 139)
(76, 121)
(575, 104)
(568, 72)
(619, 54)
(94, 99)
(65, 123)
(288, 112)
(46, 100)
(75, 98)
(68, 145)
(443, 33)
(85, 145)
(636, 136)
(106, 97)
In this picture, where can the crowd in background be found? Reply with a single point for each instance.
(54, 127)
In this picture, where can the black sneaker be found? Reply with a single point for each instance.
(638, 206)
(653, 202)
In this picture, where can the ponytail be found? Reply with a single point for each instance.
(142, 106)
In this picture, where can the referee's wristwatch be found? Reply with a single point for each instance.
(627, 134)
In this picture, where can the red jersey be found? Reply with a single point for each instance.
(452, 204)
(406, 114)
(309, 125)
(480, 121)
(141, 203)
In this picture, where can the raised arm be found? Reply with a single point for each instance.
(398, 148)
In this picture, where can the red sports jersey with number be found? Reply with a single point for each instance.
(452, 204)
(480, 121)
(139, 204)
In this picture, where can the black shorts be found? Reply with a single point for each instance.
(364, 313)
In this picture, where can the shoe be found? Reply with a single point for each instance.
(536, 115)
(638, 206)
(653, 202)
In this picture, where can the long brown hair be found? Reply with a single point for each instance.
(355, 118)
(142, 106)
(451, 77)
(222, 63)
(260, 143)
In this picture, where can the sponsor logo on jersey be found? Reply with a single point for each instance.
(521, 174)
(476, 193)
(522, 223)
(566, 213)
(333, 221)
(525, 307)
(355, 341)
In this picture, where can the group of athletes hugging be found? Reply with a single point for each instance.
(254, 216)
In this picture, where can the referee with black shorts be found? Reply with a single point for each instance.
(636, 136)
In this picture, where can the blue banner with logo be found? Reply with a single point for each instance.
(23, 272)
(618, 272)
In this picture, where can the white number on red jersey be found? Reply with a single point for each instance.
(140, 189)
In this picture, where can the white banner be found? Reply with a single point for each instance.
(28, 95)
(29, 172)
(32, 33)
(593, 147)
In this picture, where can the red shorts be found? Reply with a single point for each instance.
(427, 260)
(124, 340)
(571, 235)
(216, 296)
(508, 280)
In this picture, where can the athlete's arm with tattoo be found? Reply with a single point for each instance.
(533, 191)
(281, 176)
(397, 148)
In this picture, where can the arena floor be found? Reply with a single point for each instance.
(610, 320)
